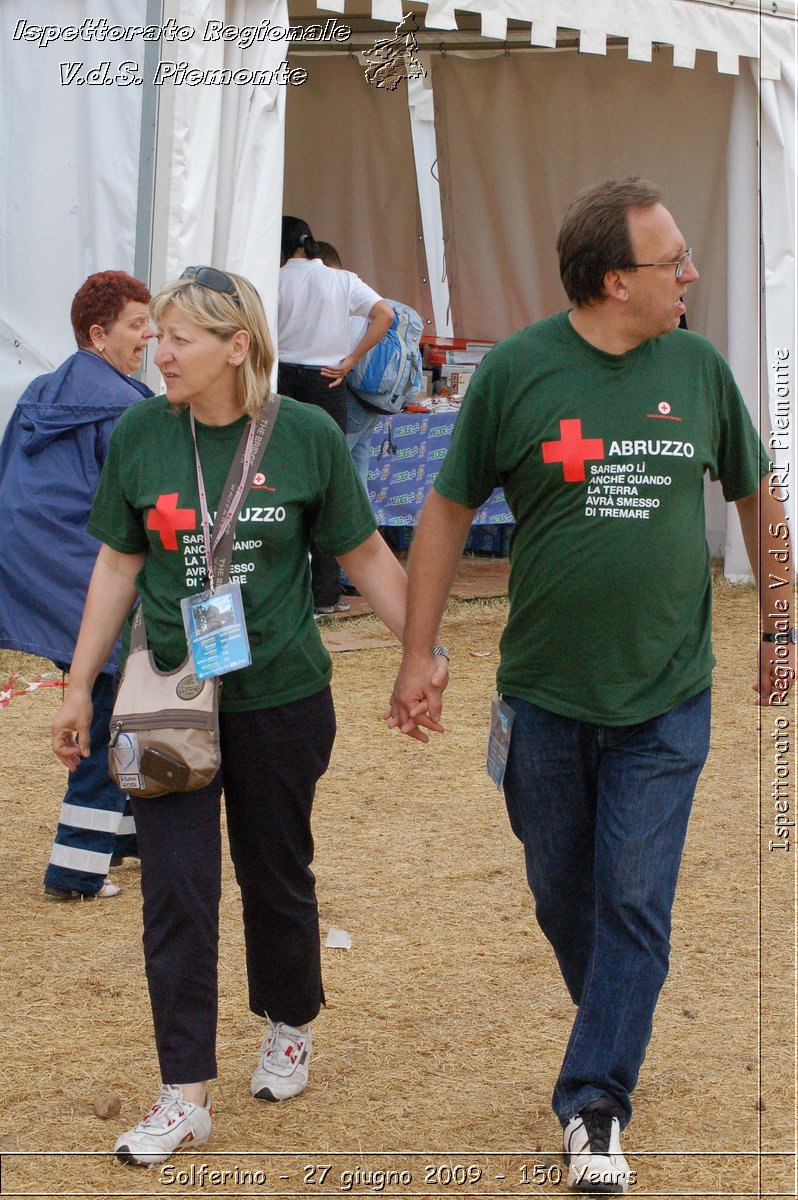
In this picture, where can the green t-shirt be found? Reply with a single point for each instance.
(602, 459)
(306, 486)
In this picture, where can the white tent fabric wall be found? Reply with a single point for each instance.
(72, 155)
(743, 333)
(425, 154)
(749, 30)
(69, 157)
(219, 176)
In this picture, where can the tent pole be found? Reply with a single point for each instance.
(149, 131)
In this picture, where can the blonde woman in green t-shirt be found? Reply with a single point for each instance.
(154, 515)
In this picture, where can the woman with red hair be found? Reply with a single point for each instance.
(50, 462)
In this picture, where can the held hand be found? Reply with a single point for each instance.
(339, 372)
(73, 717)
(776, 672)
(417, 697)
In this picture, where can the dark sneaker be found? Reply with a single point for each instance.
(592, 1148)
(329, 610)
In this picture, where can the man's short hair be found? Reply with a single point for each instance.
(329, 255)
(594, 236)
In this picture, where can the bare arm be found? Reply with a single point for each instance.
(767, 543)
(111, 595)
(380, 321)
(416, 700)
(379, 577)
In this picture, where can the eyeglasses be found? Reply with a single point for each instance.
(679, 263)
(209, 277)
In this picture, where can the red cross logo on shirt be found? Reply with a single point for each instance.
(166, 518)
(572, 451)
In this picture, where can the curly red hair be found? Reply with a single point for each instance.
(100, 300)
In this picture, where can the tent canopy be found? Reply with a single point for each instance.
(445, 193)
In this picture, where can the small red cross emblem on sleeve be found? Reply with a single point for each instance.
(166, 518)
(572, 451)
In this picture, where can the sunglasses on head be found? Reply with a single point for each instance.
(209, 277)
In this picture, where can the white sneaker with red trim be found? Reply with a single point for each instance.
(173, 1123)
(284, 1060)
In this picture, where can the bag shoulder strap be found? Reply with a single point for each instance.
(264, 425)
(222, 555)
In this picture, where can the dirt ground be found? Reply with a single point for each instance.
(446, 1020)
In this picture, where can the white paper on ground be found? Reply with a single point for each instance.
(338, 939)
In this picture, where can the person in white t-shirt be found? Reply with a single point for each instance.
(315, 304)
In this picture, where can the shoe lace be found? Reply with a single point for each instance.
(162, 1114)
(598, 1126)
(280, 1043)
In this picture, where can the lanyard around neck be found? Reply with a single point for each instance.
(223, 519)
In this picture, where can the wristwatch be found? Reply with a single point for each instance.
(788, 635)
(441, 651)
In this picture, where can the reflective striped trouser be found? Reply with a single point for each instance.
(96, 820)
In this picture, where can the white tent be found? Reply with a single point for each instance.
(447, 192)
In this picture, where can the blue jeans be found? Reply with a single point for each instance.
(360, 424)
(96, 820)
(602, 813)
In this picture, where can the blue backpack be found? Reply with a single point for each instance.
(390, 372)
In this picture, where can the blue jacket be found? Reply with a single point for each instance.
(50, 462)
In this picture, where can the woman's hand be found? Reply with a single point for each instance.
(417, 697)
(111, 594)
(73, 718)
(336, 374)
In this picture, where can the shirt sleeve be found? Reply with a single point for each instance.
(362, 298)
(343, 518)
(742, 459)
(114, 520)
(469, 474)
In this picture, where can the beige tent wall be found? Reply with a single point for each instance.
(519, 135)
(349, 172)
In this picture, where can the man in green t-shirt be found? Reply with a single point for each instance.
(600, 424)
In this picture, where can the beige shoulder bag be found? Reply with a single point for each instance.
(165, 724)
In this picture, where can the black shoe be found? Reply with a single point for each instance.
(56, 893)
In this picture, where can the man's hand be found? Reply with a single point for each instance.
(776, 672)
(73, 717)
(417, 696)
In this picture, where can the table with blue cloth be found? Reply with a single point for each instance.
(407, 450)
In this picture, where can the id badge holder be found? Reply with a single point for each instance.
(501, 725)
(216, 630)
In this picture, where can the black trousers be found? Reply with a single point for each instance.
(272, 760)
(310, 386)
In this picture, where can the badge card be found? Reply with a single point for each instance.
(501, 725)
(216, 631)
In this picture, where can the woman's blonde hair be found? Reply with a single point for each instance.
(224, 315)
